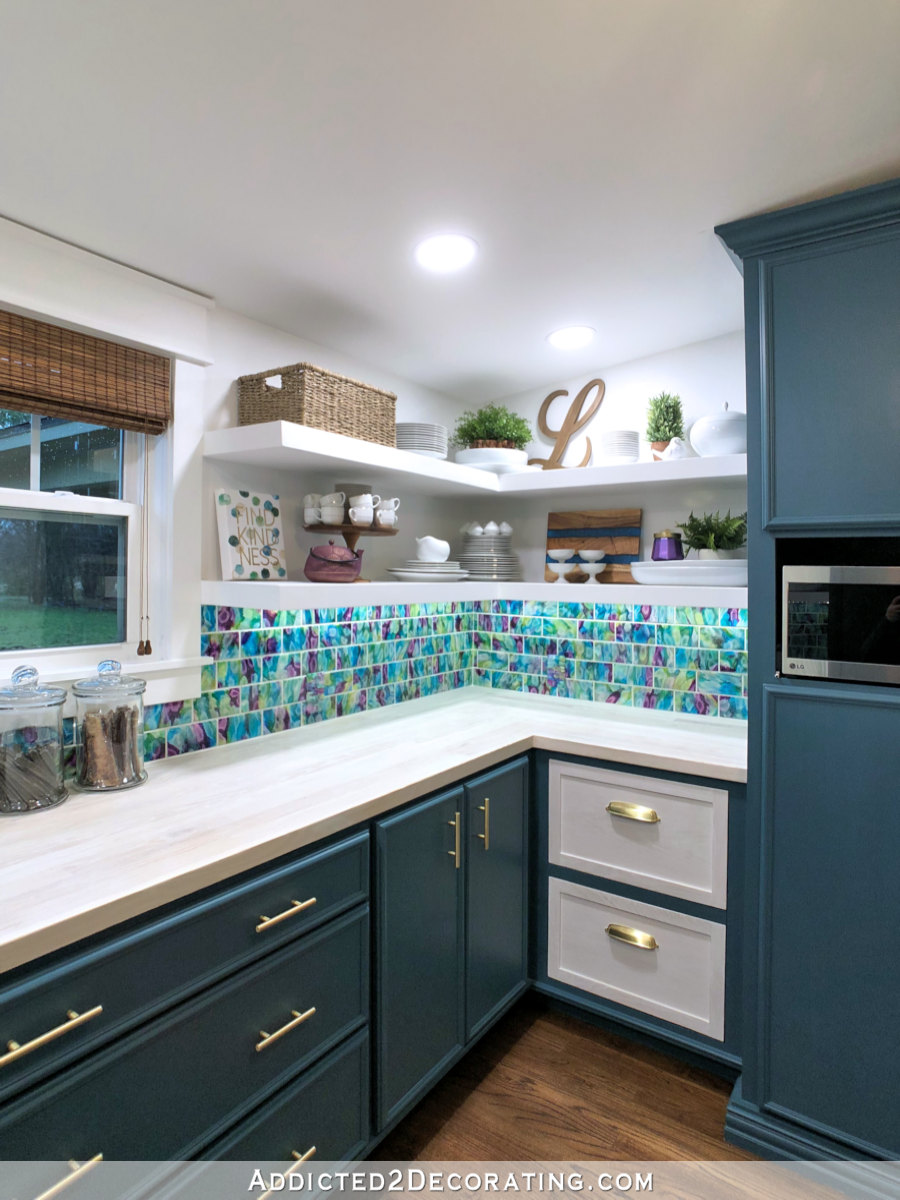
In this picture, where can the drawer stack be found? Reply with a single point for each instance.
(636, 879)
(155, 1043)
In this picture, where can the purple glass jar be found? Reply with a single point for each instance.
(667, 546)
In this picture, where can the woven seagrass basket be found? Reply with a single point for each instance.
(312, 396)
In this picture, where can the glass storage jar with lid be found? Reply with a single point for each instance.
(31, 744)
(109, 719)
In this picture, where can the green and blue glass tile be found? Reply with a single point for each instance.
(627, 673)
(349, 656)
(239, 728)
(597, 631)
(282, 717)
(613, 693)
(653, 614)
(735, 617)
(692, 615)
(734, 707)
(574, 648)
(332, 634)
(562, 668)
(613, 652)
(223, 702)
(676, 635)
(184, 739)
(510, 642)
(173, 712)
(382, 696)
(665, 679)
(540, 608)
(696, 703)
(573, 610)
(525, 664)
(655, 656)
(312, 661)
(261, 695)
(612, 612)
(481, 678)
(580, 689)
(533, 626)
(564, 627)
(208, 677)
(299, 637)
(292, 690)
(732, 660)
(350, 702)
(154, 746)
(489, 660)
(595, 672)
(539, 646)
(238, 618)
(719, 683)
(208, 618)
(628, 631)
(662, 701)
(363, 632)
(717, 637)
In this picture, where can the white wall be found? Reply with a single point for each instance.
(240, 346)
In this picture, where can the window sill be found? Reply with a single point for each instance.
(167, 679)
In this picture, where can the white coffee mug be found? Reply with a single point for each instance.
(312, 516)
(311, 501)
(332, 499)
(366, 500)
(390, 505)
(361, 514)
(332, 514)
(385, 518)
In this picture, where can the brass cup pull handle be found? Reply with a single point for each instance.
(632, 812)
(300, 1159)
(78, 1171)
(455, 852)
(72, 1021)
(297, 906)
(297, 1019)
(632, 937)
(486, 809)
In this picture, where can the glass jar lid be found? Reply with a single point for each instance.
(25, 691)
(109, 683)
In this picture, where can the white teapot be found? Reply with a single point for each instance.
(432, 549)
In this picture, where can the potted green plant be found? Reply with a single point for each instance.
(665, 421)
(492, 437)
(715, 536)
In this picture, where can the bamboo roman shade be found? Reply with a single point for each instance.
(60, 373)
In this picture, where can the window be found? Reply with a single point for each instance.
(67, 533)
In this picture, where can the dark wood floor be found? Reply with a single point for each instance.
(545, 1086)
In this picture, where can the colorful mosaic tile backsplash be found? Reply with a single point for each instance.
(277, 670)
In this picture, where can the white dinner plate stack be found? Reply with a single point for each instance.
(490, 556)
(418, 437)
(429, 572)
(618, 446)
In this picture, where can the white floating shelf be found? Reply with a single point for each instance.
(283, 444)
(237, 594)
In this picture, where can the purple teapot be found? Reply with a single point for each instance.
(333, 564)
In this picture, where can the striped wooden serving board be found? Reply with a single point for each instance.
(615, 530)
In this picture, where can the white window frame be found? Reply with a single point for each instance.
(59, 657)
(52, 281)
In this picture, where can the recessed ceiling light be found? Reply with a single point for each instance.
(446, 252)
(572, 337)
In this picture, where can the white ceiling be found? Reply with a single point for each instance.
(285, 156)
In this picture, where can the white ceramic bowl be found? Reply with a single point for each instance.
(592, 556)
(491, 454)
(562, 554)
(722, 433)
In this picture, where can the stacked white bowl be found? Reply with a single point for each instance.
(618, 446)
(487, 552)
(419, 437)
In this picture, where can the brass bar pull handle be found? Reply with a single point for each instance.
(455, 852)
(297, 1019)
(296, 907)
(73, 1020)
(486, 809)
(300, 1159)
(632, 937)
(78, 1171)
(632, 812)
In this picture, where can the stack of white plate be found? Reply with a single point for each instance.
(490, 557)
(618, 446)
(434, 572)
(422, 438)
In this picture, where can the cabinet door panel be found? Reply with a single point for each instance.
(419, 948)
(496, 942)
(833, 371)
(831, 926)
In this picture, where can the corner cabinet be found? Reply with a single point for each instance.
(820, 1053)
(451, 928)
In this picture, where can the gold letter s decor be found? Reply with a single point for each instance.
(574, 421)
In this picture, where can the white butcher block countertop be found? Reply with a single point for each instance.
(102, 858)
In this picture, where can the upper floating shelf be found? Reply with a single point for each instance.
(283, 444)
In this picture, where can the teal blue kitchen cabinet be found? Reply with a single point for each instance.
(451, 930)
(167, 1032)
(821, 1010)
(823, 310)
(827, 1034)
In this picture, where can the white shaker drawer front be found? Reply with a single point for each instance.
(663, 963)
(657, 834)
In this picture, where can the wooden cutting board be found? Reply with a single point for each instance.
(615, 530)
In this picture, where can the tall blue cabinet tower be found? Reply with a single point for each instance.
(821, 1054)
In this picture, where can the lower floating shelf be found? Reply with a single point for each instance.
(301, 594)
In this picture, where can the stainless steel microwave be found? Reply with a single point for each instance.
(841, 623)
